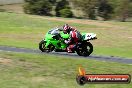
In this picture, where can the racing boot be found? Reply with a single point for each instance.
(70, 49)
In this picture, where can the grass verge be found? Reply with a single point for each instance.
(20, 70)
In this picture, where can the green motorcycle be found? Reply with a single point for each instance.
(54, 41)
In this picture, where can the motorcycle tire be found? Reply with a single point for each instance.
(90, 50)
(42, 46)
(85, 51)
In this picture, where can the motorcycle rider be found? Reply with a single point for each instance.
(75, 37)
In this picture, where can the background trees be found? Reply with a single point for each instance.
(124, 10)
(44, 7)
(105, 9)
(92, 9)
(38, 7)
(87, 6)
(63, 9)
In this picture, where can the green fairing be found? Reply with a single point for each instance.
(83, 36)
(65, 36)
(57, 43)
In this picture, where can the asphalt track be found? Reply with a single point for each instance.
(95, 57)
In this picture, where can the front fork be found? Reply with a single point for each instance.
(47, 44)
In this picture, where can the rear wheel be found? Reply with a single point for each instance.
(89, 49)
(85, 50)
(80, 52)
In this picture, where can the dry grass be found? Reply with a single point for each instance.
(5, 61)
(17, 8)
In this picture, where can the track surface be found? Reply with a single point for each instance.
(101, 58)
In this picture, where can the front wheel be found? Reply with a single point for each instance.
(42, 46)
(85, 50)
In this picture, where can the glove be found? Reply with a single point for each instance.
(66, 41)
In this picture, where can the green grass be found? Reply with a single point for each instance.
(113, 51)
(21, 30)
(19, 70)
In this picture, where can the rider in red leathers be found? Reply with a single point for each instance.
(75, 37)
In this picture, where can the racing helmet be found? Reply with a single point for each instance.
(66, 28)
